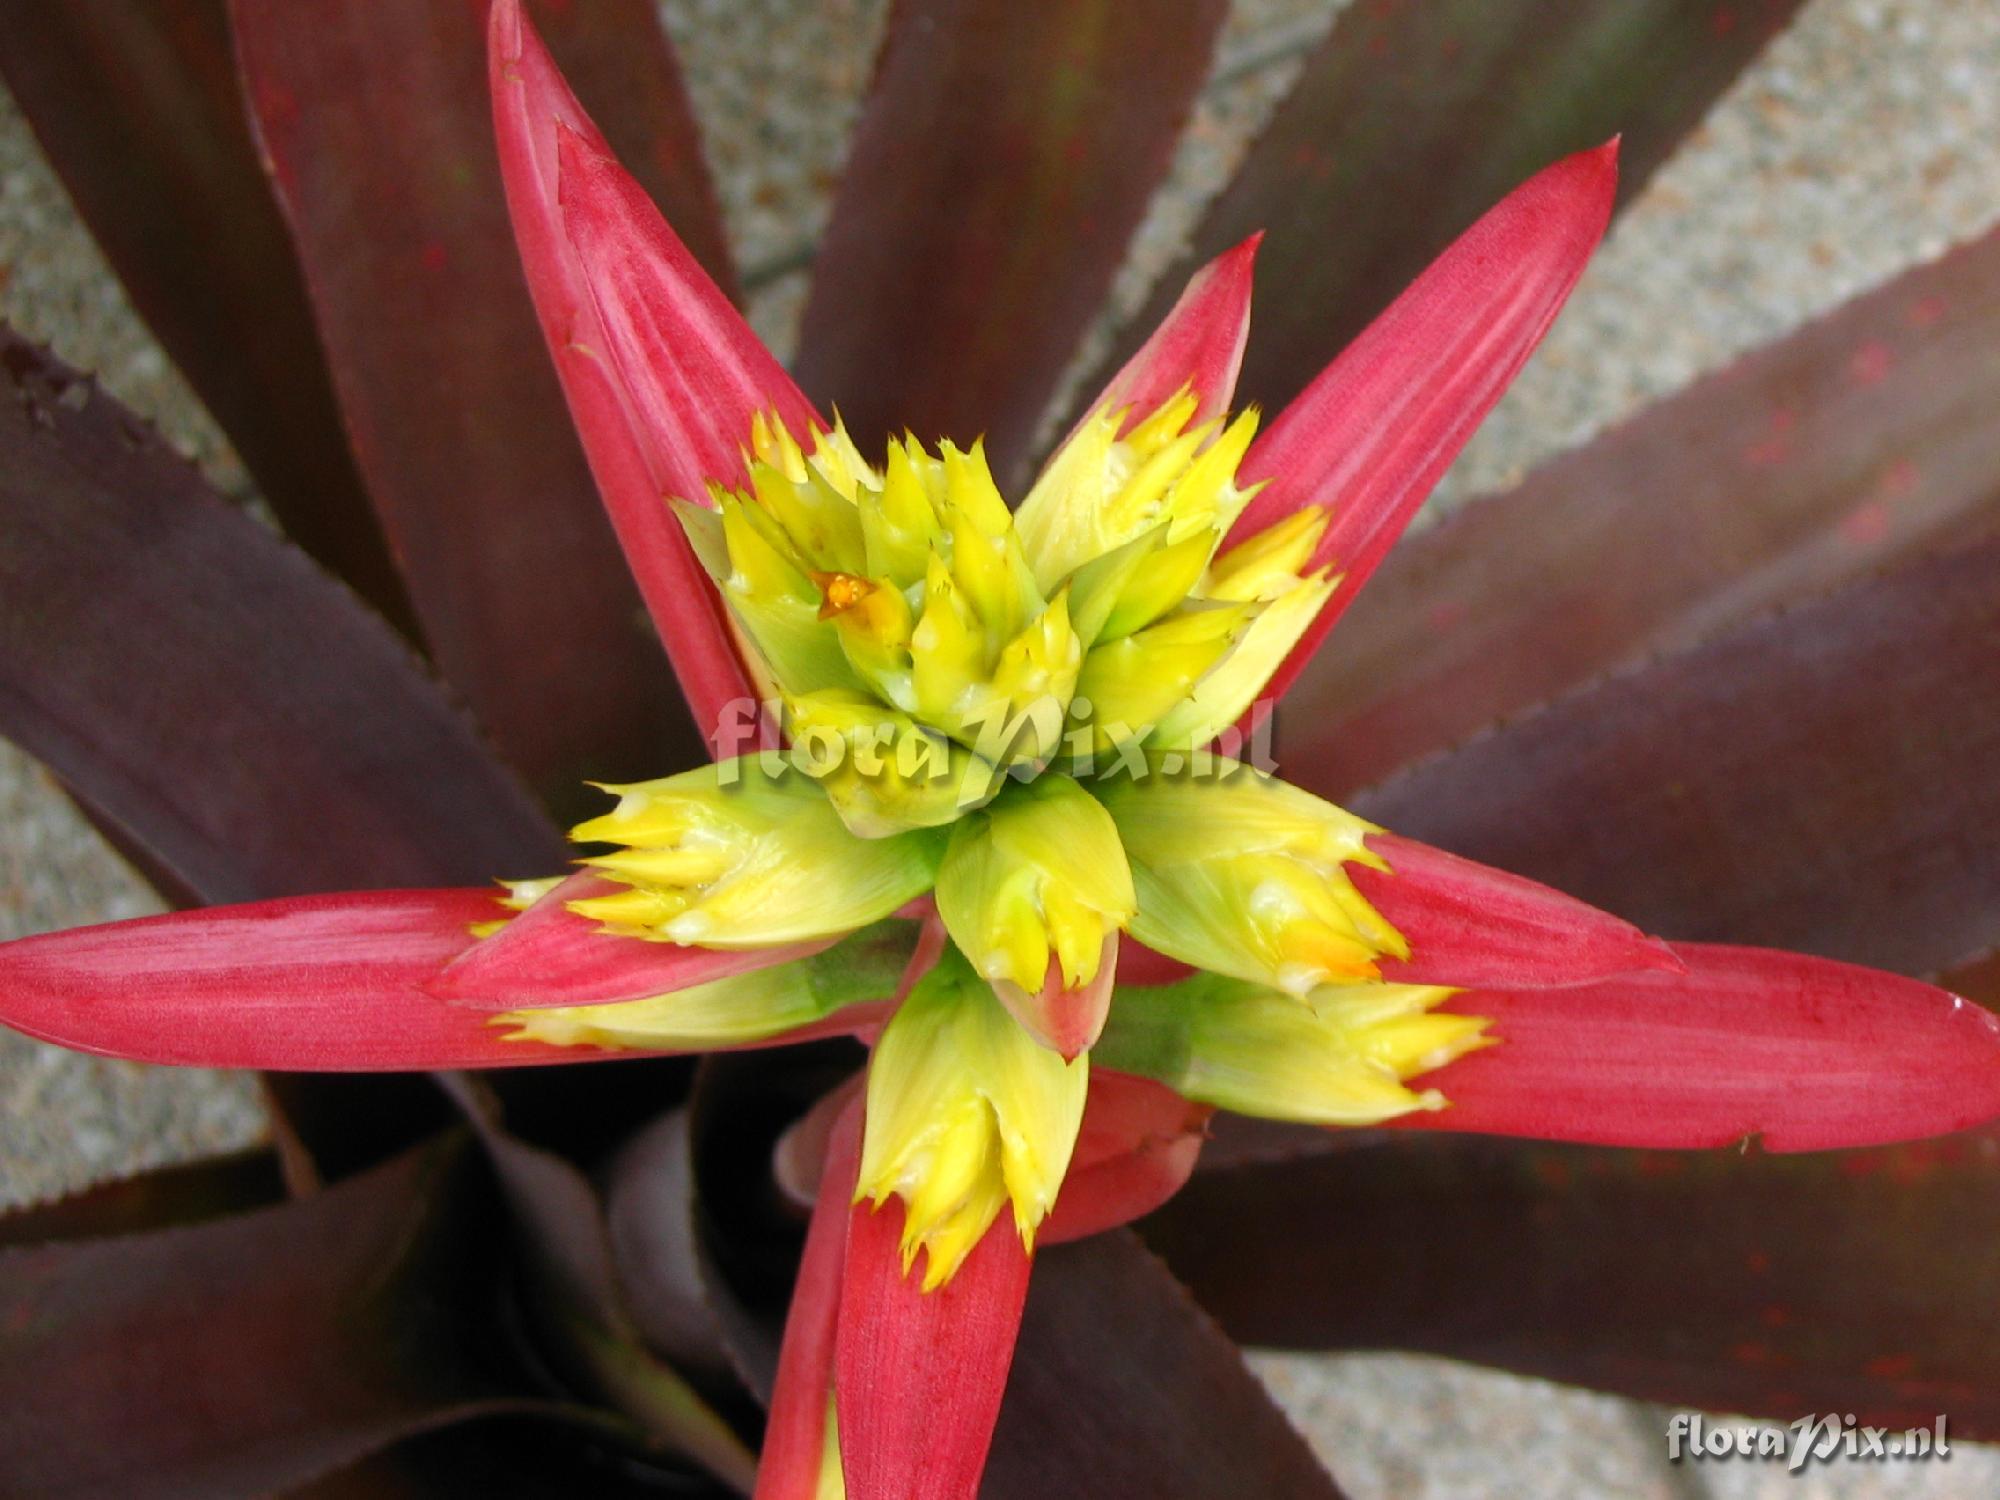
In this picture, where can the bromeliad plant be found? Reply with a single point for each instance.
(991, 790)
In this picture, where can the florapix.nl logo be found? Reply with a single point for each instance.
(1809, 1440)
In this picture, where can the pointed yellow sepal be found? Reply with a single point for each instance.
(1239, 873)
(901, 529)
(1036, 874)
(947, 650)
(840, 464)
(986, 558)
(1340, 1059)
(741, 854)
(1133, 585)
(736, 1010)
(965, 1115)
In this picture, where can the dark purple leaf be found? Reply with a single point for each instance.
(575, 1305)
(654, 1224)
(1411, 120)
(1121, 1385)
(378, 128)
(326, 1126)
(1869, 435)
(1820, 780)
(207, 688)
(751, 1230)
(1005, 156)
(139, 108)
(513, 1458)
(1242, 1140)
(254, 1352)
(1772, 1285)
(158, 1199)
(1978, 980)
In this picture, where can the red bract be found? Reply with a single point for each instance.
(1598, 1033)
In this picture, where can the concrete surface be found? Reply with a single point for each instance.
(1867, 139)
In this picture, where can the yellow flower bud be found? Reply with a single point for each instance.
(1272, 562)
(1015, 714)
(1039, 872)
(884, 772)
(1102, 489)
(872, 618)
(1132, 683)
(965, 1114)
(775, 601)
(1219, 699)
(986, 559)
(741, 855)
(1242, 874)
(823, 526)
(901, 529)
(1340, 1060)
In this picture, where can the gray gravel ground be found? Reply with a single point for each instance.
(1867, 139)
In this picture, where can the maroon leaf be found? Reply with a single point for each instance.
(750, 1230)
(971, 242)
(159, 1199)
(1410, 120)
(257, 1351)
(326, 1126)
(575, 1304)
(1977, 980)
(377, 124)
(512, 1458)
(1847, 1282)
(653, 1221)
(1869, 435)
(205, 686)
(1122, 1386)
(1818, 781)
(139, 108)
